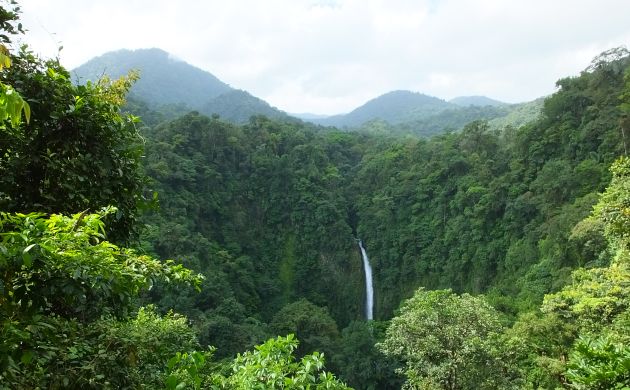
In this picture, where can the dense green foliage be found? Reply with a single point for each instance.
(48, 164)
(66, 293)
(12, 105)
(360, 363)
(238, 106)
(449, 342)
(270, 366)
(492, 211)
(519, 114)
(269, 212)
(68, 303)
(456, 118)
(452, 119)
(586, 322)
(246, 206)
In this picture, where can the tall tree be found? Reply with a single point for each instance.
(76, 153)
(447, 341)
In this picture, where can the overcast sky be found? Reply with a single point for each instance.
(330, 56)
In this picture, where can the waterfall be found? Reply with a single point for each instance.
(369, 288)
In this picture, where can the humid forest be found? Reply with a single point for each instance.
(147, 246)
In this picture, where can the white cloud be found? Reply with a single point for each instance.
(330, 56)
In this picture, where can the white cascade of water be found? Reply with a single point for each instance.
(369, 288)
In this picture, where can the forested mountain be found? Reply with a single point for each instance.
(429, 211)
(71, 187)
(454, 119)
(500, 255)
(169, 87)
(172, 86)
(411, 113)
(480, 101)
(479, 211)
(164, 78)
(238, 106)
(393, 107)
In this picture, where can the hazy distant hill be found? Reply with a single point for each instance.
(405, 112)
(480, 101)
(174, 86)
(238, 106)
(455, 118)
(452, 119)
(170, 87)
(393, 107)
(163, 79)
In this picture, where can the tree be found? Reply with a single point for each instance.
(579, 336)
(9, 16)
(601, 362)
(311, 324)
(597, 301)
(11, 103)
(597, 296)
(270, 365)
(360, 363)
(77, 152)
(624, 121)
(59, 283)
(447, 341)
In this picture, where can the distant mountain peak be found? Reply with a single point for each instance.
(403, 92)
(164, 78)
(394, 107)
(168, 80)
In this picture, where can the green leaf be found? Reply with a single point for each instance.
(27, 258)
(172, 362)
(172, 381)
(26, 357)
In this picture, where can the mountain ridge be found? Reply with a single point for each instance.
(166, 81)
(394, 107)
(161, 76)
(174, 86)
